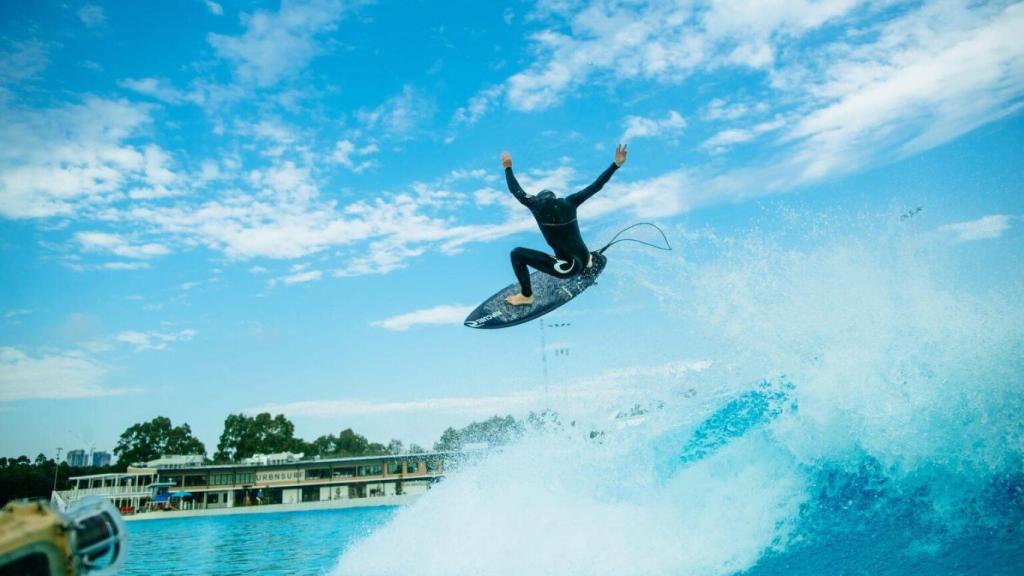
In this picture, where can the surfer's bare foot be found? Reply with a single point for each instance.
(519, 300)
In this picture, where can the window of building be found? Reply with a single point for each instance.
(245, 477)
(394, 468)
(343, 472)
(213, 498)
(311, 494)
(371, 470)
(432, 465)
(412, 467)
(314, 473)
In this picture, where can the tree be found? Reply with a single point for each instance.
(351, 444)
(244, 436)
(150, 440)
(396, 447)
(348, 443)
(495, 431)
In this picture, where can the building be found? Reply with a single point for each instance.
(168, 462)
(185, 483)
(77, 458)
(275, 458)
(100, 459)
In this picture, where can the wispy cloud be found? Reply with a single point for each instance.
(214, 7)
(443, 314)
(400, 116)
(279, 44)
(52, 376)
(92, 15)
(299, 275)
(346, 152)
(608, 386)
(58, 160)
(727, 138)
(154, 340)
(985, 228)
(22, 61)
(125, 265)
(640, 127)
(115, 244)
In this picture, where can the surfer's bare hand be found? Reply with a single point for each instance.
(620, 154)
(506, 160)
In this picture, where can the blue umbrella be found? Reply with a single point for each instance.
(181, 494)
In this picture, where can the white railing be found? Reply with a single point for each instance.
(57, 501)
(75, 494)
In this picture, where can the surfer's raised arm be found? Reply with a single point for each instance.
(513, 184)
(580, 197)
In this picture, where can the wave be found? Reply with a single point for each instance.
(862, 415)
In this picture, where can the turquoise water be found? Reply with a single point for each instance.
(280, 543)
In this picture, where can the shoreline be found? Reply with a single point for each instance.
(372, 502)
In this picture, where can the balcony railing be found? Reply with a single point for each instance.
(76, 493)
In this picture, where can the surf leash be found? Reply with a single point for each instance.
(616, 239)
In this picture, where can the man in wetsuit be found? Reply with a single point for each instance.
(557, 220)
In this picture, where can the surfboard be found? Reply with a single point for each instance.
(549, 293)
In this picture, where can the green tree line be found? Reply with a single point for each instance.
(23, 477)
(242, 437)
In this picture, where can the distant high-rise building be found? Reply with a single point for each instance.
(77, 458)
(101, 459)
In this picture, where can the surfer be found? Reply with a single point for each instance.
(557, 220)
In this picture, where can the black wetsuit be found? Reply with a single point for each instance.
(557, 220)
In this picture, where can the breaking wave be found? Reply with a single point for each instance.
(861, 414)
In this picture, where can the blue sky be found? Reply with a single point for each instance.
(212, 207)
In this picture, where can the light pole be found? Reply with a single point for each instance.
(56, 467)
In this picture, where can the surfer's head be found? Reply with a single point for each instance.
(546, 196)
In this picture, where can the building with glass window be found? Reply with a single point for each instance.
(176, 484)
(77, 458)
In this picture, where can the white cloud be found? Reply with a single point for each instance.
(15, 313)
(23, 61)
(443, 314)
(159, 89)
(125, 265)
(720, 109)
(345, 152)
(985, 228)
(214, 7)
(478, 106)
(58, 161)
(610, 386)
(92, 15)
(276, 45)
(640, 127)
(721, 141)
(298, 276)
(115, 244)
(52, 376)
(154, 340)
(615, 41)
(399, 116)
(932, 75)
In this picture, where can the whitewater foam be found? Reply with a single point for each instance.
(900, 405)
